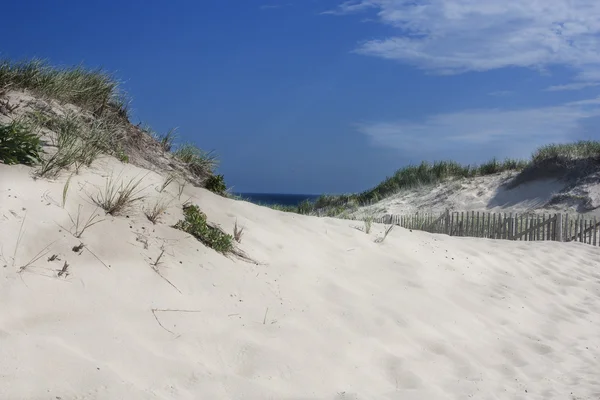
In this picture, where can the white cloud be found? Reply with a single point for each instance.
(572, 86)
(454, 36)
(525, 128)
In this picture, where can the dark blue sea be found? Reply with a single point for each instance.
(277, 198)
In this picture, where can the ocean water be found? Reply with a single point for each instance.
(277, 198)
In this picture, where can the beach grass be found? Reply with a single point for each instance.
(199, 162)
(91, 89)
(567, 151)
(117, 197)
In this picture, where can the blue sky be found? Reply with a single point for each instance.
(325, 96)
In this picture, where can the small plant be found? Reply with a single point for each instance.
(80, 226)
(237, 233)
(180, 188)
(387, 231)
(66, 191)
(166, 140)
(196, 225)
(170, 178)
(116, 198)
(19, 144)
(368, 224)
(35, 258)
(216, 184)
(122, 156)
(158, 209)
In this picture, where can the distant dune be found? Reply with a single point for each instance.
(497, 193)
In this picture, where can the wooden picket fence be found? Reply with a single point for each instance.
(509, 226)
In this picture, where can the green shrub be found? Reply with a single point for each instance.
(216, 184)
(196, 225)
(19, 144)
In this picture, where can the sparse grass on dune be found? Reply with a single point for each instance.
(103, 125)
(117, 197)
(570, 161)
(426, 173)
(567, 151)
(405, 178)
(94, 90)
(158, 209)
(78, 141)
(199, 162)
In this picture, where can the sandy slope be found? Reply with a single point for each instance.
(490, 193)
(327, 314)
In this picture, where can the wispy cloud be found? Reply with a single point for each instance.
(349, 7)
(525, 128)
(501, 93)
(572, 86)
(274, 6)
(455, 36)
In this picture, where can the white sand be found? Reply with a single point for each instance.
(328, 314)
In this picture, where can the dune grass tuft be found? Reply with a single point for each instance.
(158, 209)
(238, 232)
(91, 89)
(66, 191)
(79, 142)
(368, 224)
(117, 197)
(199, 162)
(80, 225)
(166, 140)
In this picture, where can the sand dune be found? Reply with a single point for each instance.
(326, 313)
(492, 193)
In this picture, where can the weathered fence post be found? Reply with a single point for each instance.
(559, 228)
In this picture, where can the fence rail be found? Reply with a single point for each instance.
(509, 226)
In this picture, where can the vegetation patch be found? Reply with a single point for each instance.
(94, 90)
(101, 127)
(569, 161)
(116, 198)
(196, 225)
(199, 163)
(19, 144)
(567, 151)
(158, 209)
(78, 141)
(216, 184)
